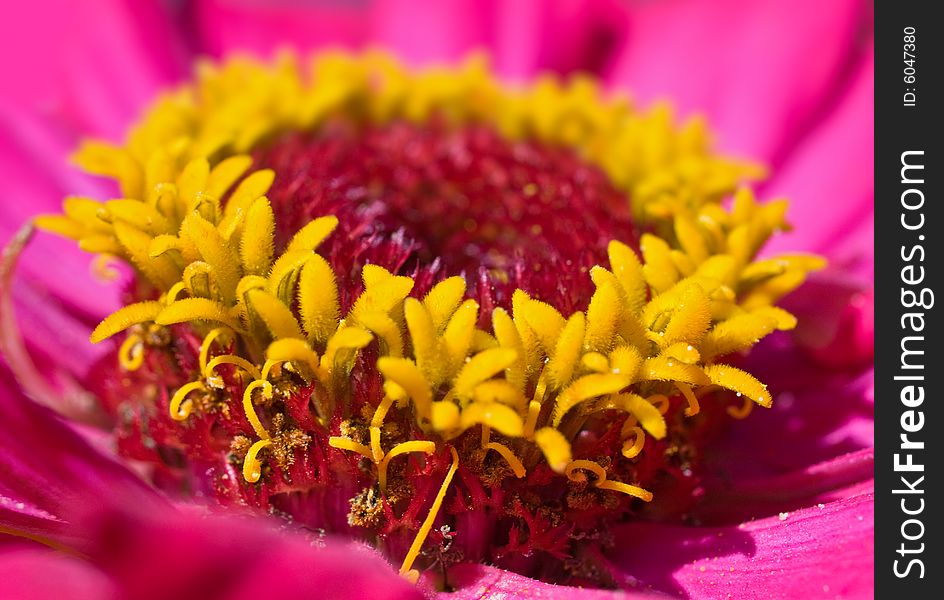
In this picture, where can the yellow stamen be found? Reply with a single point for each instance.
(343, 443)
(555, 447)
(632, 448)
(406, 569)
(630, 490)
(180, 406)
(250, 409)
(252, 466)
(572, 469)
(693, 406)
(534, 410)
(666, 319)
(103, 268)
(660, 401)
(513, 461)
(231, 359)
(208, 343)
(741, 412)
(171, 296)
(602, 482)
(404, 448)
(131, 353)
(376, 423)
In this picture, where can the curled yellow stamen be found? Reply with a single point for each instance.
(103, 268)
(251, 409)
(571, 470)
(131, 353)
(208, 343)
(660, 401)
(180, 406)
(252, 466)
(693, 406)
(171, 296)
(632, 448)
(231, 359)
(602, 482)
(404, 448)
(741, 412)
(516, 465)
(406, 569)
(269, 365)
(343, 443)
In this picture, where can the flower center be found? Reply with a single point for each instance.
(460, 321)
(428, 202)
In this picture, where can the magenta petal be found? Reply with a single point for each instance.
(440, 32)
(225, 26)
(158, 554)
(820, 552)
(91, 64)
(32, 574)
(48, 474)
(521, 37)
(729, 501)
(818, 413)
(829, 180)
(761, 70)
(480, 581)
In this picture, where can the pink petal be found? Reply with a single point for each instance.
(90, 64)
(762, 71)
(480, 581)
(732, 501)
(221, 27)
(522, 38)
(829, 180)
(32, 574)
(48, 474)
(157, 555)
(819, 552)
(818, 413)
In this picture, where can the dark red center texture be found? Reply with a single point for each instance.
(431, 202)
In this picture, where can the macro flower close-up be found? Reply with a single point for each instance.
(387, 299)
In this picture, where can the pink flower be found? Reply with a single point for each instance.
(795, 520)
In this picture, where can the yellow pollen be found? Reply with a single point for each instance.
(252, 466)
(180, 405)
(250, 409)
(131, 353)
(406, 569)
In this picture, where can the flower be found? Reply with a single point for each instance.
(268, 429)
